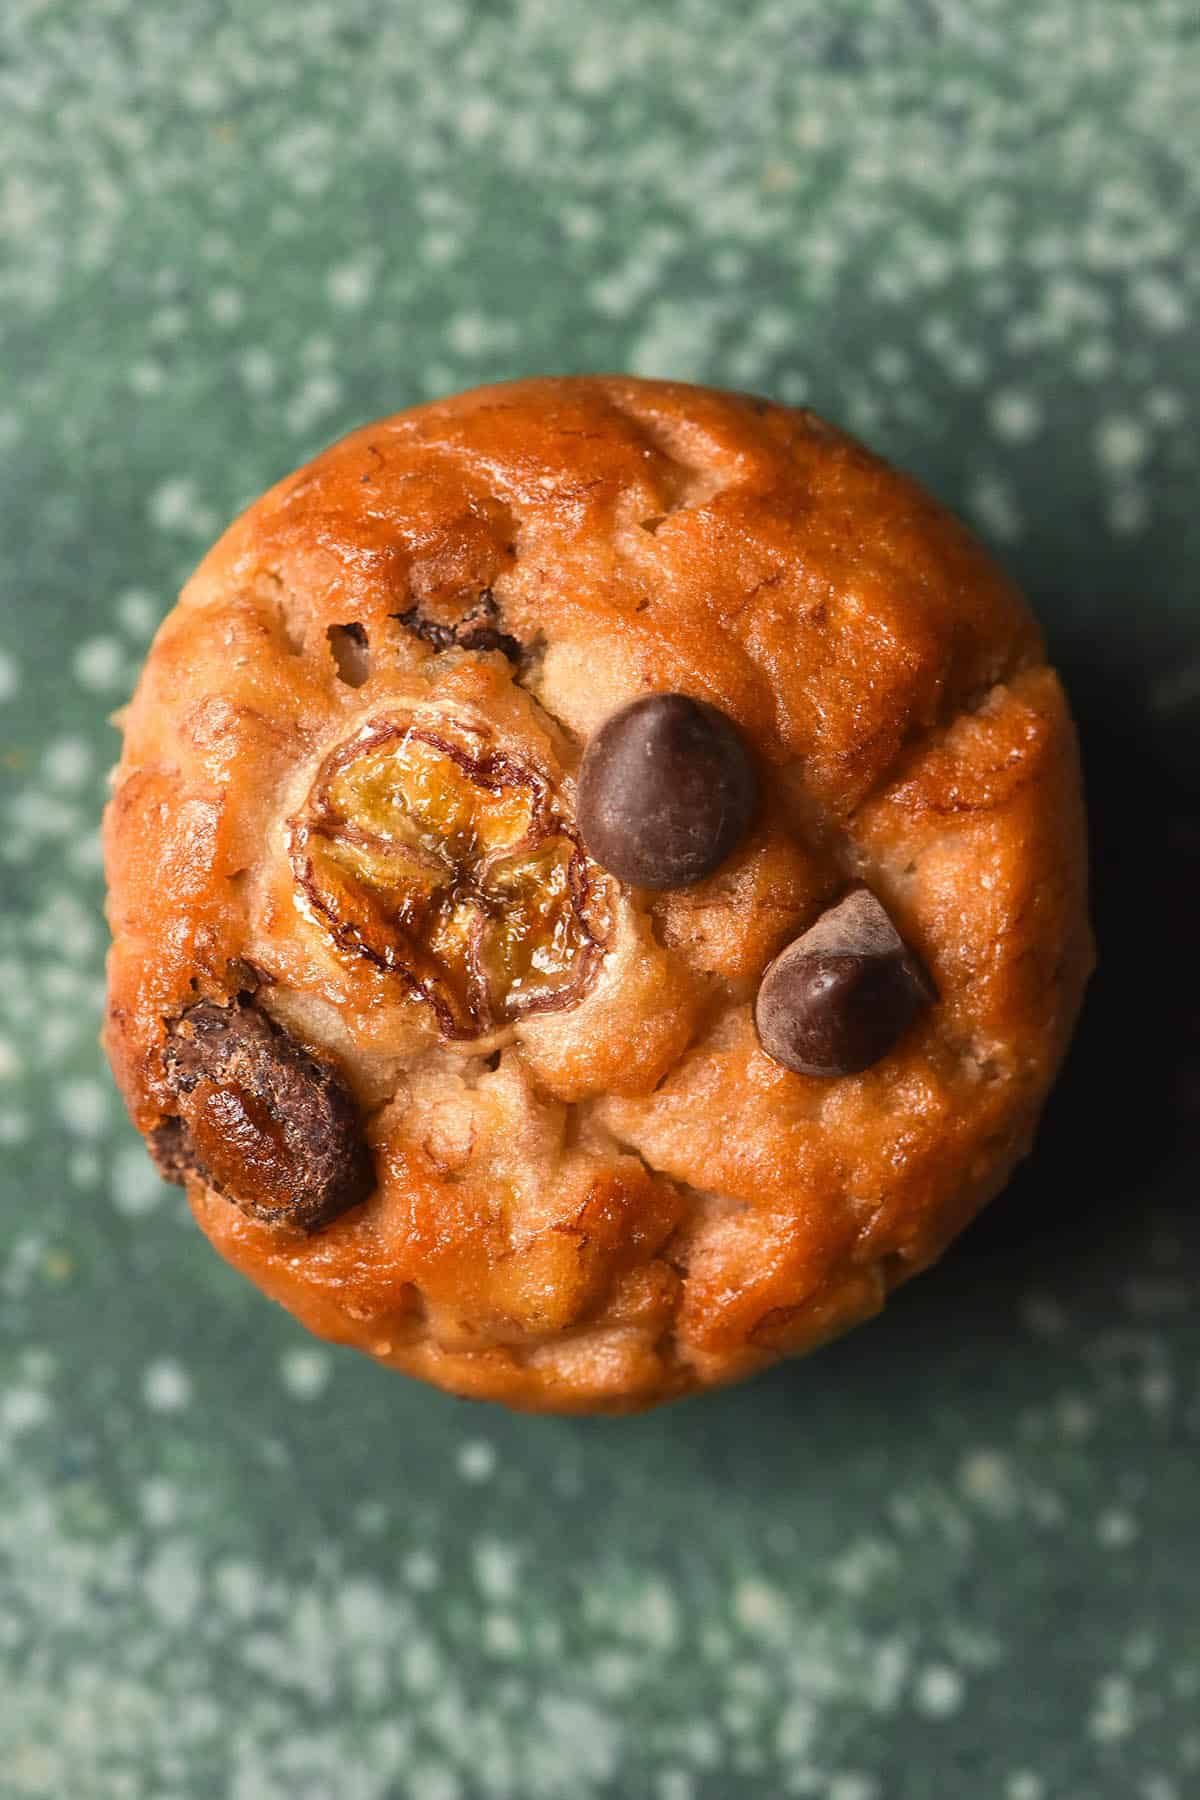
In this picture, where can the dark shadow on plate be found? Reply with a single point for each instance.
(1128, 1101)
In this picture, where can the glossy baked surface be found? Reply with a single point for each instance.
(594, 1190)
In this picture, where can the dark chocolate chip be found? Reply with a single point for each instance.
(266, 1122)
(843, 994)
(477, 629)
(666, 791)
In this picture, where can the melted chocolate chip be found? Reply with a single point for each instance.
(478, 629)
(261, 1119)
(666, 790)
(843, 994)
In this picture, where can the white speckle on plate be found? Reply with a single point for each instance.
(83, 1168)
(67, 762)
(83, 1107)
(986, 1478)
(137, 612)
(167, 324)
(1015, 415)
(175, 506)
(852, 1786)
(501, 1634)
(421, 1666)
(893, 364)
(797, 1729)
(225, 306)
(99, 664)
(1114, 1714)
(476, 1460)
(1128, 512)
(859, 1566)
(14, 1127)
(257, 367)
(994, 504)
(318, 395)
(433, 1781)
(581, 1731)
(1043, 1316)
(135, 1185)
(239, 1588)
(317, 352)
(1025, 1785)
(1094, 359)
(159, 1500)
(171, 1583)
(22, 1408)
(701, 1743)
(9, 676)
(760, 1608)
(439, 248)
(1159, 302)
(1122, 444)
(305, 1371)
(166, 1386)
(1116, 1530)
(349, 284)
(496, 1569)
(887, 1674)
(10, 1062)
(202, 90)
(939, 1691)
(421, 1570)
(467, 334)
(147, 377)
(653, 1616)
(87, 851)
(1076, 1419)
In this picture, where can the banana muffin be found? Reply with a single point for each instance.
(598, 889)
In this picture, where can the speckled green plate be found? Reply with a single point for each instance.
(955, 1555)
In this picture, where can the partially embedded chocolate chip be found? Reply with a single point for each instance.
(666, 790)
(266, 1122)
(842, 994)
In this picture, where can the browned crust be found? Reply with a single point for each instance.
(632, 1201)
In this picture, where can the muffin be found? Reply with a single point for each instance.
(598, 892)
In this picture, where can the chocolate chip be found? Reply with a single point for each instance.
(266, 1122)
(842, 994)
(666, 790)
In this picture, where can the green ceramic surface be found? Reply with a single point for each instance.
(954, 1556)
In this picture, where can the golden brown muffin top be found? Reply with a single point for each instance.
(347, 795)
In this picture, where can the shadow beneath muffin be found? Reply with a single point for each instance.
(1128, 1103)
